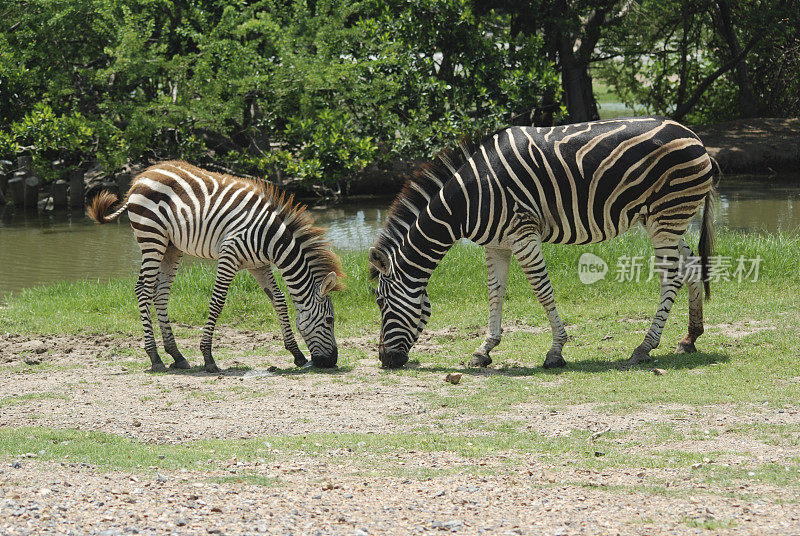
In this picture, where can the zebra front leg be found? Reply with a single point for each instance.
(694, 286)
(528, 252)
(227, 267)
(267, 282)
(166, 275)
(498, 262)
(152, 254)
(667, 262)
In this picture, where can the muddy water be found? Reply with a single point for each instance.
(41, 248)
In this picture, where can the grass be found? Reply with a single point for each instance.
(457, 291)
(748, 364)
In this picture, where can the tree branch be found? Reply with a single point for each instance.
(686, 107)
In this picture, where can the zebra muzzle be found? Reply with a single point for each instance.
(392, 359)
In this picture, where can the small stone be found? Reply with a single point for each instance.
(360, 532)
(453, 526)
(180, 522)
(44, 492)
(599, 453)
(161, 478)
(453, 377)
(136, 423)
(16, 465)
(697, 465)
(659, 372)
(328, 485)
(161, 456)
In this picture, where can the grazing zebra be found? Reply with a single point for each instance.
(176, 208)
(574, 184)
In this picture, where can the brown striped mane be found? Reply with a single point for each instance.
(417, 192)
(294, 215)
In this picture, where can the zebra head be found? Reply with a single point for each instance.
(315, 323)
(405, 309)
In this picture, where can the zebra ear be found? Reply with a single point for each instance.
(328, 284)
(380, 260)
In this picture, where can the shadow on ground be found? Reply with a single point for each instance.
(665, 362)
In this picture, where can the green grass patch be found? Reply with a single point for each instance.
(252, 479)
(709, 523)
(22, 399)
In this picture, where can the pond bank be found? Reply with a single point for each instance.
(763, 146)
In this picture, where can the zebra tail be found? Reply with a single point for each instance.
(99, 206)
(706, 245)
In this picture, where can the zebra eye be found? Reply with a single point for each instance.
(329, 320)
(380, 301)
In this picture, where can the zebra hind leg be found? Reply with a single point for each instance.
(267, 283)
(227, 267)
(166, 275)
(528, 252)
(694, 285)
(152, 254)
(497, 262)
(666, 259)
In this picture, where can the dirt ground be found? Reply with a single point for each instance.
(99, 383)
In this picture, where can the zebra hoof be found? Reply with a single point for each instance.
(299, 359)
(211, 367)
(480, 360)
(180, 364)
(554, 360)
(640, 355)
(685, 347)
(158, 367)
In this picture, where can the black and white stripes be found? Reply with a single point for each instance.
(176, 208)
(576, 184)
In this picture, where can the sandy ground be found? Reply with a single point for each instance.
(99, 383)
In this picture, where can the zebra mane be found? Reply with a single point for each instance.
(300, 223)
(418, 191)
(295, 217)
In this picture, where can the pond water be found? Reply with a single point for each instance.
(36, 249)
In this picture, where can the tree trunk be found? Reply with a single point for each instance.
(578, 93)
(574, 53)
(747, 101)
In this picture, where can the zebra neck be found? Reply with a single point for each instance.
(291, 259)
(427, 241)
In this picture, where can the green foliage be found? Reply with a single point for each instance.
(664, 51)
(288, 89)
(317, 90)
(328, 149)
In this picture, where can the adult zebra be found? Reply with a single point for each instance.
(574, 184)
(176, 208)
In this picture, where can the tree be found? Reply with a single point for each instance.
(697, 59)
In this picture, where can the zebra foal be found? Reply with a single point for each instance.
(574, 184)
(176, 208)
